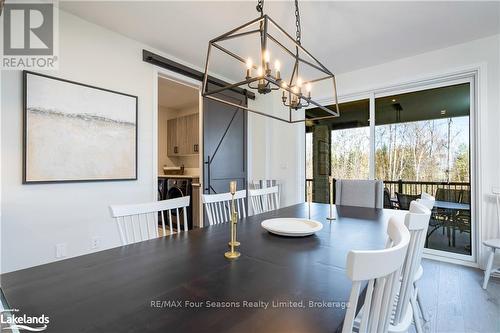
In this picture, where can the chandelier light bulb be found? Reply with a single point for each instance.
(267, 56)
(277, 65)
(259, 71)
(249, 64)
(308, 87)
(299, 82)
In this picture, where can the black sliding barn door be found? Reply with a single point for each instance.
(225, 144)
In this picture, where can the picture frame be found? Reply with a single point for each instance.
(75, 132)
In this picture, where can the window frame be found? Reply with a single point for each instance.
(470, 76)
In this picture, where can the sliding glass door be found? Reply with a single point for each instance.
(421, 141)
(422, 145)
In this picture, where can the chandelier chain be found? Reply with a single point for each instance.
(298, 32)
(260, 7)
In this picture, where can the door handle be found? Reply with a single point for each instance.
(195, 148)
(207, 189)
(176, 150)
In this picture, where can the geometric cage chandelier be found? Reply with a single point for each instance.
(290, 76)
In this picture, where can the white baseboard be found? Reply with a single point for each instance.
(450, 260)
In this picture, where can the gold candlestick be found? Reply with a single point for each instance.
(331, 217)
(233, 214)
(232, 254)
(234, 242)
(234, 221)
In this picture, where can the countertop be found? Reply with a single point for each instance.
(179, 176)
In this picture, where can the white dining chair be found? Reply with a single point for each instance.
(218, 206)
(381, 269)
(263, 183)
(138, 222)
(428, 201)
(492, 244)
(417, 222)
(360, 193)
(264, 199)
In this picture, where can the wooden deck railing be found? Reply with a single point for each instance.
(417, 187)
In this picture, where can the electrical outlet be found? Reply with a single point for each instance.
(61, 250)
(95, 243)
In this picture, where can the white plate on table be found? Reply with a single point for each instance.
(293, 227)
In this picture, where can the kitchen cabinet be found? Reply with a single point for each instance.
(172, 147)
(192, 124)
(183, 135)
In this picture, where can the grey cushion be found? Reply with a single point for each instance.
(361, 193)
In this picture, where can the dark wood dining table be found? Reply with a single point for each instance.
(183, 283)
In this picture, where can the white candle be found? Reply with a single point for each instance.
(330, 181)
(232, 187)
(249, 64)
(309, 200)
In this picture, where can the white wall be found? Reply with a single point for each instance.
(36, 217)
(277, 149)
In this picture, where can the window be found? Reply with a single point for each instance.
(421, 143)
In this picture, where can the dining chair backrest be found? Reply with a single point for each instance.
(381, 269)
(465, 197)
(417, 222)
(404, 200)
(496, 193)
(263, 183)
(264, 199)
(138, 222)
(387, 198)
(361, 193)
(218, 206)
(257, 184)
(449, 195)
(427, 200)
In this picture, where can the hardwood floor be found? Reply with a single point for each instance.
(455, 302)
(167, 232)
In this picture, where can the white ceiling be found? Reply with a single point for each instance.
(343, 35)
(176, 96)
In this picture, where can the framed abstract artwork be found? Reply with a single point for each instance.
(75, 132)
